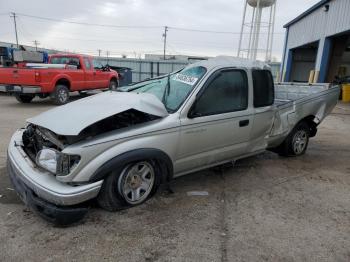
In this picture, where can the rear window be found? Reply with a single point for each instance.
(65, 60)
(264, 91)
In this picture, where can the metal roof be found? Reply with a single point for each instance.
(230, 61)
(307, 12)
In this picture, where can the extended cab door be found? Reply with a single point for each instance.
(217, 127)
(264, 109)
(101, 77)
(89, 74)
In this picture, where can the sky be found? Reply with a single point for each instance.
(137, 26)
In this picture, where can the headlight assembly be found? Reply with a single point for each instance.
(56, 162)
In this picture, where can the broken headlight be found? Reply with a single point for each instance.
(55, 162)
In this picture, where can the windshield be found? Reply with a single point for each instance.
(171, 89)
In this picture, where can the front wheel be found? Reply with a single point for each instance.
(24, 98)
(297, 141)
(113, 85)
(136, 183)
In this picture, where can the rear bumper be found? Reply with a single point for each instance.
(18, 89)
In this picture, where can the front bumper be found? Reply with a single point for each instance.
(57, 215)
(43, 184)
(18, 89)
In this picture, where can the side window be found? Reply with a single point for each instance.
(96, 64)
(227, 92)
(264, 90)
(87, 63)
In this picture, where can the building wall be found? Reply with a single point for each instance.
(145, 68)
(148, 68)
(316, 27)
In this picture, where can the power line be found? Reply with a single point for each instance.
(87, 24)
(130, 27)
(207, 31)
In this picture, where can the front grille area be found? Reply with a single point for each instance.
(34, 141)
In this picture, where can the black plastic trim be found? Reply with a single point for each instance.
(117, 163)
(57, 215)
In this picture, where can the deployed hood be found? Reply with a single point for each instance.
(71, 119)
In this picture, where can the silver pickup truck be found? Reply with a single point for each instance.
(119, 147)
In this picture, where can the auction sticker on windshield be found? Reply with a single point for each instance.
(189, 80)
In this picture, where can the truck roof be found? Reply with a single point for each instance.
(230, 61)
(71, 55)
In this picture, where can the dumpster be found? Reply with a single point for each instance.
(346, 93)
(125, 75)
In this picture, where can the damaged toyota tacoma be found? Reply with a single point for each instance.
(118, 147)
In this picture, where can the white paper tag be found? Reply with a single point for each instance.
(189, 80)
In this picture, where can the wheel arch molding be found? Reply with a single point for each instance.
(117, 163)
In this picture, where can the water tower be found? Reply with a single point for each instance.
(258, 24)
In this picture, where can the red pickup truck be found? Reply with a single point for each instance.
(63, 74)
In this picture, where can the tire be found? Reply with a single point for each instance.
(297, 141)
(132, 185)
(113, 85)
(25, 99)
(61, 95)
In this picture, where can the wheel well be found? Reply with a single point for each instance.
(117, 163)
(114, 79)
(310, 121)
(63, 81)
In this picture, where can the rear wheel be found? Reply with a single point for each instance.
(297, 141)
(136, 183)
(61, 95)
(24, 98)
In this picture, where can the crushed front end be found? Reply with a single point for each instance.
(37, 185)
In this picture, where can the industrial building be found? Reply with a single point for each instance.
(317, 44)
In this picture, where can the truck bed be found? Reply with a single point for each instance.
(294, 102)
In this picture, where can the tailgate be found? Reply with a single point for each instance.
(17, 76)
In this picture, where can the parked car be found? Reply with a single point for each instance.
(118, 147)
(62, 75)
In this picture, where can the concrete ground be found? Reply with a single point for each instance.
(267, 208)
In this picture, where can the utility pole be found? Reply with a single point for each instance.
(165, 37)
(14, 21)
(99, 52)
(107, 57)
(36, 43)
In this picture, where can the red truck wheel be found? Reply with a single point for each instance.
(113, 85)
(61, 95)
(24, 98)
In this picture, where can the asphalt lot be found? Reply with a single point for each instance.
(267, 208)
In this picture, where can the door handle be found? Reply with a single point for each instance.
(243, 123)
